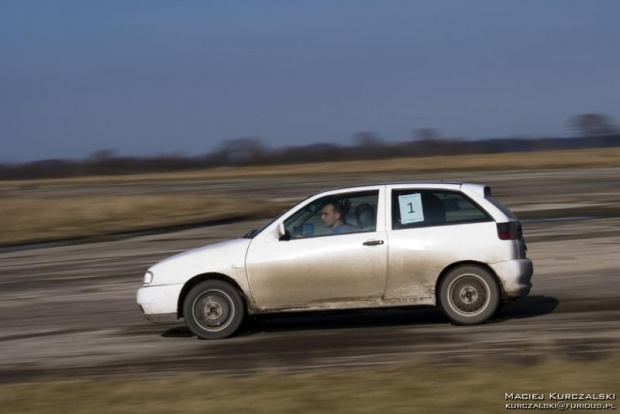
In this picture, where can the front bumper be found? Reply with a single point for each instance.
(159, 303)
(515, 277)
(164, 318)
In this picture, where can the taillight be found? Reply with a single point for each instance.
(509, 231)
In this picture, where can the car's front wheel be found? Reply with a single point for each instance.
(213, 309)
(469, 295)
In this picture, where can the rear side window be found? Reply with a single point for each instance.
(422, 208)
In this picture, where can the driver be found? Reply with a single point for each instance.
(332, 218)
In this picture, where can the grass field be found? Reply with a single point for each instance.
(608, 157)
(468, 389)
(36, 219)
(31, 220)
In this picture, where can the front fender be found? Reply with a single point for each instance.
(227, 258)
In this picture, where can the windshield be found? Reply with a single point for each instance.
(253, 233)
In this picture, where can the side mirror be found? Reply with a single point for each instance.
(283, 234)
(281, 230)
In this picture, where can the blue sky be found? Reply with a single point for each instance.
(152, 77)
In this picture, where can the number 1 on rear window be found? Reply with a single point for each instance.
(410, 208)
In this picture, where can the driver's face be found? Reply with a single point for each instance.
(329, 217)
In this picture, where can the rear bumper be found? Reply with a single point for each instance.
(515, 277)
(159, 303)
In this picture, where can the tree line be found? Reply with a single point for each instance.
(592, 130)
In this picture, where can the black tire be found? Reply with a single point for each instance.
(213, 309)
(469, 295)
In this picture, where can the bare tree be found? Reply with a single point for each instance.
(368, 139)
(102, 155)
(593, 125)
(243, 150)
(426, 134)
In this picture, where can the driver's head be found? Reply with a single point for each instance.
(331, 214)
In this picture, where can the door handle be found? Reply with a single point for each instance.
(373, 242)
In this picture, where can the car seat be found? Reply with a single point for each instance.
(366, 217)
(434, 211)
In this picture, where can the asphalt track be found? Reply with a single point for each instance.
(69, 311)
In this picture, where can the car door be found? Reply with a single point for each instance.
(319, 267)
(430, 228)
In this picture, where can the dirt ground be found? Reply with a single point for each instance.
(69, 311)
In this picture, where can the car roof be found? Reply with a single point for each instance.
(426, 183)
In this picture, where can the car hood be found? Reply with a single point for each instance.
(227, 257)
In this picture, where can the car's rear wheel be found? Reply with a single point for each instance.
(469, 295)
(213, 309)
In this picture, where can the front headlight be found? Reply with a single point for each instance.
(148, 278)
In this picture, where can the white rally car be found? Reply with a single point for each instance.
(446, 244)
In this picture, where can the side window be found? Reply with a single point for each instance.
(335, 214)
(421, 208)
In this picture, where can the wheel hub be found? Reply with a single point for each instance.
(213, 310)
(468, 295)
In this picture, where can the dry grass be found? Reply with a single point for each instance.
(608, 157)
(470, 389)
(29, 219)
